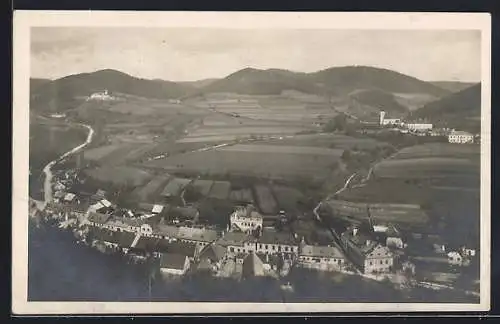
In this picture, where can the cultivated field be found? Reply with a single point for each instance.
(203, 186)
(336, 141)
(220, 190)
(439, 150)
(152, 187)
(288, 198)
(264, 196)
(261, 161)
(431, 167)
(175, 186)
(119, 175)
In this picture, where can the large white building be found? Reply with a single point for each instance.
(104, 95)
(388, 121)
(460, 137)
(246, 219)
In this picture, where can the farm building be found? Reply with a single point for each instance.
(175, 264)
(327, 258)
(246, 219)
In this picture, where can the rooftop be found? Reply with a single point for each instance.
(213, 252)
(197, 234)
(461, 133)
(321, 251)
(172, 261)
(233, 238)
(273, 237)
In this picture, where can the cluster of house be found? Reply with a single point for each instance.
(423, 129)
(258, 249)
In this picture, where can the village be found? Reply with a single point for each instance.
(252, 244)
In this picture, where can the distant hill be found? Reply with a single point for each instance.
(453, 86)
(62, 94)
(461, 109)
(349, 78)
(262, 82)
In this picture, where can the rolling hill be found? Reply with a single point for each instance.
(461, 109)
(262, 82)
(62, 94)
(384, 100)
(453, 86)
(340, 80)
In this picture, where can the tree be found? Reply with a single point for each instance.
(338, 123)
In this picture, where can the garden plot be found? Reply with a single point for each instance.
(203, 186)
(220, 190)
(288, 198)
(242, 196)
(152, 187)
(439, 150)
(175, 186)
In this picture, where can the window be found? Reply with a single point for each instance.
(381, 262)
(274, 247)
(267, 246)
(286, 248)
(260, 246)
(231, 249)
(371, 263)
(238, 250)
(386, 261)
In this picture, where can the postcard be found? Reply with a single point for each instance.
(250, 162)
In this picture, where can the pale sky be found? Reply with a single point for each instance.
(189, 54)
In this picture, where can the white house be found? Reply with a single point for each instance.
(321, 257)
(460, 137)
(418, 126)
(455, 258)
(246, 219)
(388, 121)
(380, 259)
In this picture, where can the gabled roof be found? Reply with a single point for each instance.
(274, 237)
(103, 235)
(233, 238)
(105, 203)
(147, 244)
(213, 252)
(157, 209)
(321, 251)
(253, 266)
(172, 261)
(125, 239)
(379, 251)
(187, 249)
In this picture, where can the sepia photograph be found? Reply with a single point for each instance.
(229, 162)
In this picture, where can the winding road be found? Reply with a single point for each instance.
(47, 170)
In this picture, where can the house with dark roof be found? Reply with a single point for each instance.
(272, 242)
(234, 242)
(214, 254)
(326, 258)
(198, 236)
(174, 264)
(188, 249)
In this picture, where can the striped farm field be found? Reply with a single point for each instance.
(256, 163)
(267, 203)
(425, 167)
(257, 148)
(120, 175)
(203, 186)
(439, 150)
